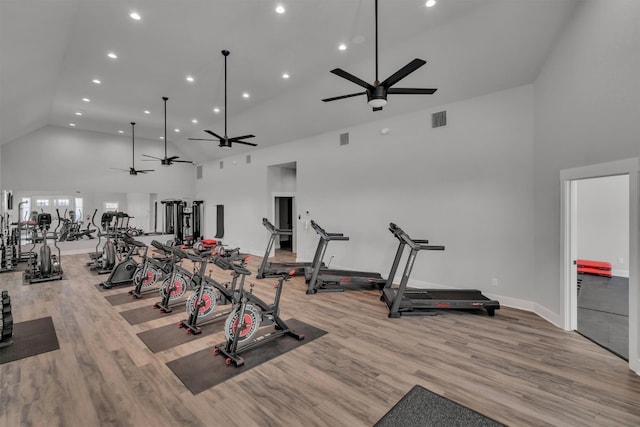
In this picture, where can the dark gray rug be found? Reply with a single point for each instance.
(144, 314)
(423, 408)
(202, 370)
(29, 339)
(603, 312)
(119, 299)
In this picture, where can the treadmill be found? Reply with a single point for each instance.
(321, 279)
(403, 301)
(275, 269)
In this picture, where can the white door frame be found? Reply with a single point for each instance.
(568, 177)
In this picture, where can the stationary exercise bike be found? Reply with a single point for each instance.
(49, 267)
(151, 270)
(175, 286)
(208, 295)
(246, 318)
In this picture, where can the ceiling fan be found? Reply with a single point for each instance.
(132, 170)
(377, 92)
(166, 161)
(225, 141)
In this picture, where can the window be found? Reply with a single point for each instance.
(61, 202)
(42, 203)
(25, 208)
(111, 206)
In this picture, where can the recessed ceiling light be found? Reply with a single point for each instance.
(285, 75)
(216, 110)
(190, 79)
(342, 46)
(96, 81)
(78, 113)
(430, 3)
(162, 137)
(112, 55)
(135, 15)
(86, 99)
(147, 112)
(280, 9)
(176, 130)
(120, 131)
(72, 125)
(245, 95)
(194, 121)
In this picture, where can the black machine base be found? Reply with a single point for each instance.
(428, 301)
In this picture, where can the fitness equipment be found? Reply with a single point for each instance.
(275, 269)
(208, 295)
(182, 220)
(246, 318)
(331, 280)
(49, 267)
(6, 328)
(122, 273)
(17, 238)
(175, 286)
(151, 270)
(411, 301)
(104, 261)
(8, 252)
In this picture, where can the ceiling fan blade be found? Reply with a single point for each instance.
(335, 98)
(212, 133)
(411, 91)
(244, 142)
(153, 157)
(340, 72)
(145, 170)
(237, 138)
(403, 72)
(172, 158)
(182, 161)
(201, 139)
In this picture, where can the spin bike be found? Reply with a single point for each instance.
(208, 295)
(151, 270)
(175, 286)
(246, 318)
(49, 267)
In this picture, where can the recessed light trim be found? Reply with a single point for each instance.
(135, 16)
(342, 46)
(120, 131)
(430, 3)
(97, 81)
(147, 112)
(194, 121)
(190, 79)
(285, 76)
(176, 130)
(86, 99)
(216, 110)
(246, 95)
(112, 55)
(72, 125)
(78, 113)
(280, 9)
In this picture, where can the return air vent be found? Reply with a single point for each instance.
(344, 138)
(221, 164)
(248, 158)
(439, 119)
(199, 172)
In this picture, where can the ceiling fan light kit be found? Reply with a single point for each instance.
(377, 92)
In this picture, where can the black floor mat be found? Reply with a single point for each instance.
(147, 313)
(423, 408)
(202, 370)
(119, 299)
(29, 339)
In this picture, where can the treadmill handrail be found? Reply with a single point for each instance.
(277, 231)
(418, 244)
(327, 236)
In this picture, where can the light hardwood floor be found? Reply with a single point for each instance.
(514, 367)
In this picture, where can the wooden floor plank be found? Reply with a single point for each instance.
(514, 367)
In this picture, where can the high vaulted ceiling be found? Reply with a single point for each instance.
(51, 50)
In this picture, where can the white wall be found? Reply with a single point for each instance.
(603, 221)
(54, 158)
(467, 186)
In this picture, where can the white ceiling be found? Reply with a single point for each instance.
(50, 50)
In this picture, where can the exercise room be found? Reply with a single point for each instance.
(320, 213)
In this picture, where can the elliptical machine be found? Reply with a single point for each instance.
(104, 261)
(122, 273)
(49, 267)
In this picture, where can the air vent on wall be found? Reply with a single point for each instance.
(248, 158)
(344, 138)
(439, 119)
(199, 172)
(221, 164)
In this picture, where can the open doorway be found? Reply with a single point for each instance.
(281, 188)
(284, 221)
(571, 181)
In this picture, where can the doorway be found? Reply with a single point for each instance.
(570, 179)
(284, 220)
